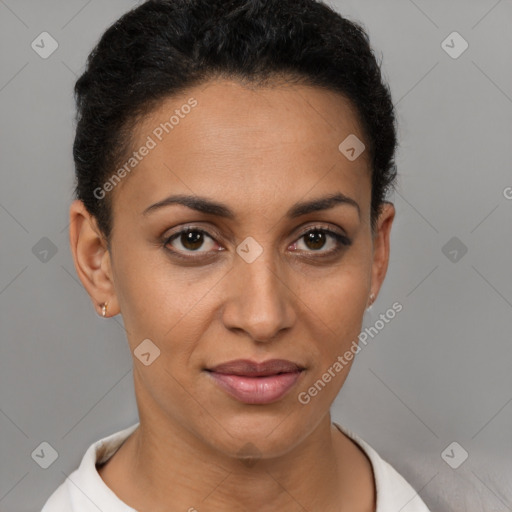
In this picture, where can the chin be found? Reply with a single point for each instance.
(256, 433)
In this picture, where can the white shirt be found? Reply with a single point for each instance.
(85, 491)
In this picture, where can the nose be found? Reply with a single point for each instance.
(258, 299)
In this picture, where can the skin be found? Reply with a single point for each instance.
(258, 150)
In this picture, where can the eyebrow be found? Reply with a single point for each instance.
(211, 207)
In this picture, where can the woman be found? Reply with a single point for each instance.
(232, 161)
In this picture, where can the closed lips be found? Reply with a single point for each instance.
(256, 383)
(247, 368)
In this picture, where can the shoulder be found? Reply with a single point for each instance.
(84, 490)
(393, 491)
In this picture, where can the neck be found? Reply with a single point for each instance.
(163, 459)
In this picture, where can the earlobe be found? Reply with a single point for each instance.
(91, 257)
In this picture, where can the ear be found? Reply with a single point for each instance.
(92, 258)
(381, 246)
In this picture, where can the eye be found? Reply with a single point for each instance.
(190, 240)
(184, 243)
(318, 238)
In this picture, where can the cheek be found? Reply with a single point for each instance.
(341, 310)
(336, 307)
(161, 301)
(149, 295)
(340, 298)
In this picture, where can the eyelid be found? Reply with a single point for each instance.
(210, 231)
(326, 227)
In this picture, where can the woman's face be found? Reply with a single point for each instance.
(259, 276)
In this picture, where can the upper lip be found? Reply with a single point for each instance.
(250, 368)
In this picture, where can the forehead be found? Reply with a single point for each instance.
(245, 144)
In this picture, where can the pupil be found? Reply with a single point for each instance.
(192, 239)
(316, 238)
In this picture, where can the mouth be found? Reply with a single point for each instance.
(256, 383)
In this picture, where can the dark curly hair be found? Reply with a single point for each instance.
(163, 47)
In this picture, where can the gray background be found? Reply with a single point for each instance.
(437, 373)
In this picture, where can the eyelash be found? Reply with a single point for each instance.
(341, 241)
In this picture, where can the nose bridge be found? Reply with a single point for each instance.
(260, 302)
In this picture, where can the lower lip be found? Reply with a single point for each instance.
(256, 390)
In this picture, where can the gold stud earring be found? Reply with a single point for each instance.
(104, 309)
